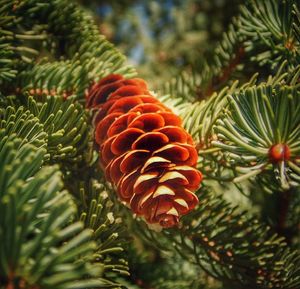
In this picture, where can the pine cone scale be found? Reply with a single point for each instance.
(150, 140)
(133, 159)
(125, 141)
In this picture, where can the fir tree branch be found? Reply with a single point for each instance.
(91, 55)
(99, 213)
(256, 120)
(230, 246)
(65, 123)
(39, 247)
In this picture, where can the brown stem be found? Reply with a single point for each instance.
(225, 74)
(227, 71)
(13, 282)
(283, 208)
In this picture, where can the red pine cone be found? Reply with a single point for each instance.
(144, 150)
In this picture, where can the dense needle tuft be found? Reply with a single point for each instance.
(144, 150)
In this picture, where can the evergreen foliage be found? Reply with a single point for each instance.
(39, 245)
(61, 224)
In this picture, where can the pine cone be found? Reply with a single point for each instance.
(144, 150)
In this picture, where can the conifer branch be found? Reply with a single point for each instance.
(40, 248)
(230, 246)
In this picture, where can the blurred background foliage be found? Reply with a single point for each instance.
(161, 38)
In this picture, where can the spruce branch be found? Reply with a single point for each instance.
(259, 121)
(39, 247)
(82, 54)
(64, 78)
(230, 246)
(56, 124)
(65, 123)
(268, 31)
(24, 125)
(91, 54)
(15, 42)
(263, 34)
(99, 214)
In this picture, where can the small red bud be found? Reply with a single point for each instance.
(279, 152)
